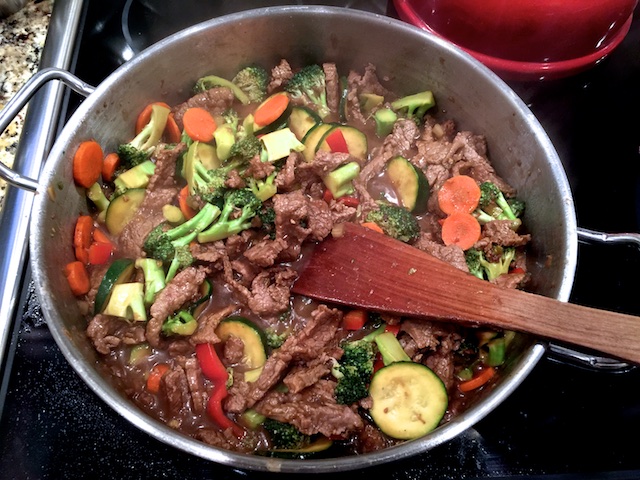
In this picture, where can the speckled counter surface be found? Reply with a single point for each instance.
(22, 37)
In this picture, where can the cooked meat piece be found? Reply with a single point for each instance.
(280, 75)
(107, 332)
(332, 81)
(215, 100)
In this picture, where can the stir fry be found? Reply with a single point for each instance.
(195, 228)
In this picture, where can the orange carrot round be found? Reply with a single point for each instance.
(478, 380)
(461, 229)
(87, 163)
(145, 115)
(110, 164)
(199, 124)
(355, 319)
(459, 194)
(83, 233)
(78, 278)
(271, 109)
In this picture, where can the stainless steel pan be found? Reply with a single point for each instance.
(410, 59)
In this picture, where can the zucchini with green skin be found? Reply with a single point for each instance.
(410, 184)
(120, 271)
(301, 120)
(122, 209)
(313, 138)
(354, 140)
(409, 400)
(254, 353)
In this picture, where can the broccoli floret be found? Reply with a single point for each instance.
(231, 118)
(172, 246)
(127, 301)
(285, 436)
(154, 278)
(253, 81)
(395, 221)
(267, 216)
(141, 147)
(415, 106)
(246, 148)
(210, 81)
(265, 188)
(309, 84)
(240, 206)
(355, 368)
(483, 268)
(182, 323)
(99, 199)
(494, 206)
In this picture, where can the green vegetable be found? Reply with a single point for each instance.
(395, 221)
(210, 81)
(253, 340)
(355, 368)
(494, 206)
(409, 400)
(241, 202)
(265, 188)
(284, 435)
(120, 271)
(253, 81)
(301, 120)
(171, 247)
(313, 138)
(410, 184)
(390, 349)
(181, 323)
(127, 301)
(279, 144)
(135, 177)
(154, 278)
(340, 181)
(486, 270)
(122, 209)
(99, 199)
(142, 146)
(309, 84)
(385, 119)
(414, 106)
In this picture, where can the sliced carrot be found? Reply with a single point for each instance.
(78, 278)
(145, 115)
(459, 194)
(172, 133)
(83, 233)
(110, 164)
(185, 208)
(100, 236)
(461, 229)
(271, 109)
(87, 163)
(478, 380)
(373, 226)
(354, 319)
(155, 375)
(199, 124)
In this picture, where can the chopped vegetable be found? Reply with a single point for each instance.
(478, 380)
(271, 109)
(155, 376)
(199, 124)
(461, 229)
(78, 278)
(87, 163)
(460, 193)
(110, 166)
(354, 319)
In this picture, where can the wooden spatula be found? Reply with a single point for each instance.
(365, 269)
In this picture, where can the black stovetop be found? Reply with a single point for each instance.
(563, 422)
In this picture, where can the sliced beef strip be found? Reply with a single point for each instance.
(357, 83)
(302, 346)
(265, 252)
(303, 376)
(175, 385)
(195, 381)
(107, 332)
(207, 324)
(451, 254)
(499, 232)
(313, 410)
(162, 190)
(332, 81)
(215, 100)
(182, 289)
(227, 440)
(280, 75)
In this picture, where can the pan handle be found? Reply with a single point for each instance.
(587, 360)
(20, 100)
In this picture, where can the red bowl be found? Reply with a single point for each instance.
(526, 39)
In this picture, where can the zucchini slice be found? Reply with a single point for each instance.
(313, 138)
(356, 141)
(409, 400)
(122, 209)
(120, 271)
(410, 184)
(301, 120)
(255, 354)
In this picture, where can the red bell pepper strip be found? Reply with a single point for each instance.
(214, 370)
(100, 253)
(337, 142)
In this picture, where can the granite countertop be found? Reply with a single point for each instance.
(22, 37)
